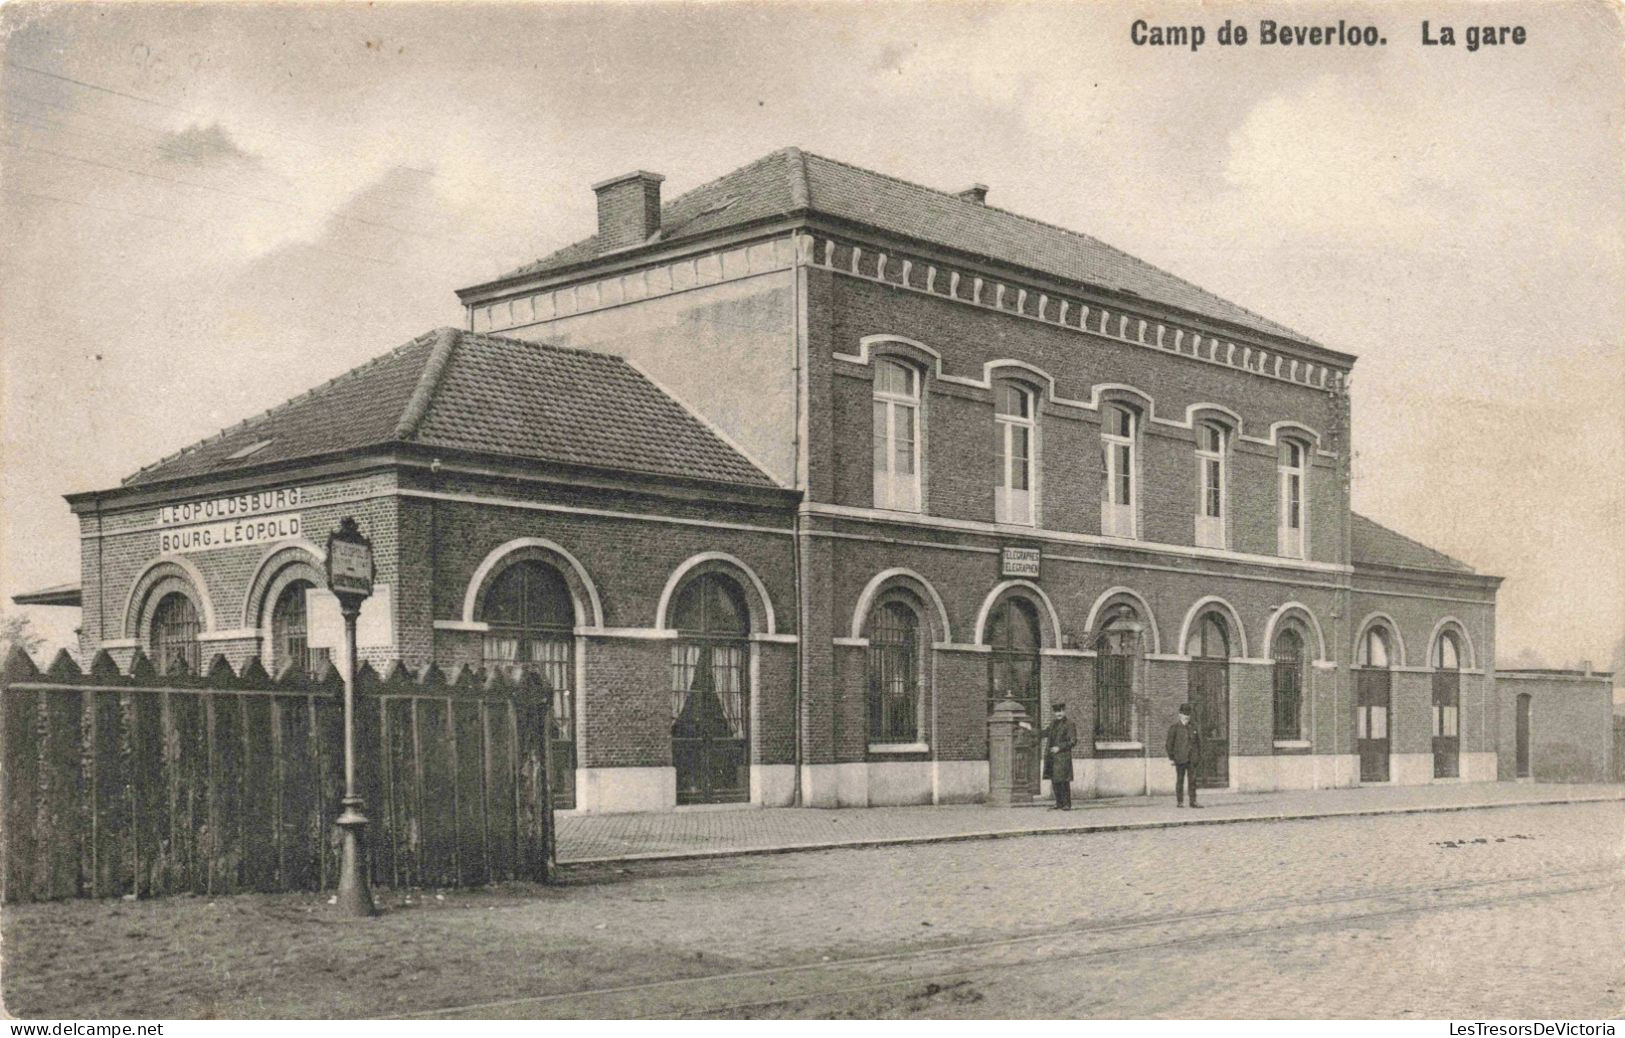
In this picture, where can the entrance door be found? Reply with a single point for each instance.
(1210, 701)
(1371, 697)
(1209, 692)
(1014, 673)
(1523, 735)
(710, 692)
(1446, 708)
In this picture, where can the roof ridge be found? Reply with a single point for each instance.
(1064, 230)
(428, 381)
(1411, 540)
(508, 340)
(800, 186)
(271, 411)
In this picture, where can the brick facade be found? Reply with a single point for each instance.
(803, 312)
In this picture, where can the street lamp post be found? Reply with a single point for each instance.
(349, 577)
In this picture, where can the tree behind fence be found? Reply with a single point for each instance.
(115, 784)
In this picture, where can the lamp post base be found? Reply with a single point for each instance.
(355, 894)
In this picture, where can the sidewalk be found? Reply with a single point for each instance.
(706, 833)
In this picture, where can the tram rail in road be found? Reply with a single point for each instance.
(742, 990)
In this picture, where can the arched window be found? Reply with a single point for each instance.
(1117, 652)
(174, 633)
(897, 436)
(1293, 471)
(290, 630)
(1014, 448)
(532, 623)
(1288, 674)
(1119, 432)
(1446, 706)
(710, 677)
(1212, 443)
(894, 674)
(1374, 648)
(1209, 639)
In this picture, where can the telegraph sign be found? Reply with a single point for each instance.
(349, 562)
(1021, 562)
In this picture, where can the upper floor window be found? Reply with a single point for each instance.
(1118, 433)
(1211, 505)
(1293, 466)
(897, 436)
(1014, 440)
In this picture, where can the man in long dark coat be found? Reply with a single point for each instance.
(1184, 747)
(1061, 735)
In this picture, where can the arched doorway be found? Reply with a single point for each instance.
(710, 682)
(1373, 694)
(1014, 673)
(1525, 708)
(1208, 690)
(531, 618)
(1446, 706)
(174, 634)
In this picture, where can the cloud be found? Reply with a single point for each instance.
(204, 146)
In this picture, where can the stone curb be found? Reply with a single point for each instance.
(1064, 830)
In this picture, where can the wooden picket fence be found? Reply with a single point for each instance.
(130, 783)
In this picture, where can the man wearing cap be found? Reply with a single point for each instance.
(1184, 747)
(1061, 735)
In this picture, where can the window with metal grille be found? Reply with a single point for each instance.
(894, 675)
(1117, 650)
(1288, 685)
(175, 629)
(290, 630)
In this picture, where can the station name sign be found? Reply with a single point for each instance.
(1021, 562)
(241, 506)
(229, 522)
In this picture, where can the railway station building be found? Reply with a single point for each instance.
(783, 483)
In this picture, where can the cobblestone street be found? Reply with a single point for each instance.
(1509, 912)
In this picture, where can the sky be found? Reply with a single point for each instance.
(209, 208)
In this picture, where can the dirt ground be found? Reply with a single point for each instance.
(1441, 915)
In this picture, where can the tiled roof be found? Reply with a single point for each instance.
(1374, 544)
(465, 391)
(792, 181)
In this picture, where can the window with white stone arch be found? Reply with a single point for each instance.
(897, 436)
(1212, 502)
(1015, 445)
(1293, 469)
(1119, 431)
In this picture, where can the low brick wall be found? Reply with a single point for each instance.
(1569, 725)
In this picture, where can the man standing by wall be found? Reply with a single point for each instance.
(1061, 735)
(1184, 746)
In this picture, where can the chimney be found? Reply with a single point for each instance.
(975, 193)
(628, 209)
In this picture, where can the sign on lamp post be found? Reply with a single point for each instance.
(349, 578)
